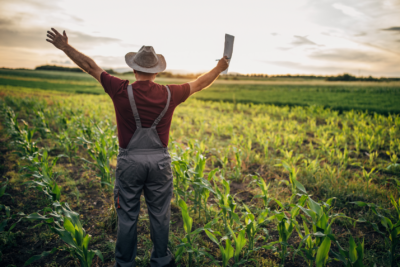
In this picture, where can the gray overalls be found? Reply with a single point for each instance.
(144, 164)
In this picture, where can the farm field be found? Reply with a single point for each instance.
(380, 97)
(254, 184)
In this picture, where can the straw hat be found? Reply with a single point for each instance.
(146, 60)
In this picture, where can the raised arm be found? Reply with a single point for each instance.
(208, 78)
(84, 62)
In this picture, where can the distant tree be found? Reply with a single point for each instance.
(57, 68)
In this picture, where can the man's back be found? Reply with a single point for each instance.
(150, 99)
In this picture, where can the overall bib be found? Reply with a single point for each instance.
(144, 164)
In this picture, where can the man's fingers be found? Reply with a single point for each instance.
(54, 30)
(49, 41)
(50, 36)
(51, 33)
(65, 34)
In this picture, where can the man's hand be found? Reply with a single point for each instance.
(84, 62)
(58, 40)
(223, 63)
(208, 78)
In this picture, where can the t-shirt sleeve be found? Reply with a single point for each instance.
(111, 84)
(179, 93)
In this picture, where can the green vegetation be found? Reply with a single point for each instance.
(379, 97)
(58, 68)
(254, 185)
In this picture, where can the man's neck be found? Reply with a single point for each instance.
(144, 79)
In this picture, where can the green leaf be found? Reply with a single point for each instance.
(360, 252)
(187, 220)
(86, 240)
(98, 253)
(322, 253)
(228, 252)
(240, 242)
(352, 250)
(69, 226)
(300, 187)
(314, 206)
(38, 257)
(212, 237)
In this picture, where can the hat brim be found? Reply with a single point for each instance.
(160, 67)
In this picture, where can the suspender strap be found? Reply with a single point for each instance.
(133, 106)
(164, 111)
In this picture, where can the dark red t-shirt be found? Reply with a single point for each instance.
(150, 99)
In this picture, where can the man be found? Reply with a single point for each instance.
(144, 112)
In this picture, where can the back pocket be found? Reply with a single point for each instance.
(126, 172)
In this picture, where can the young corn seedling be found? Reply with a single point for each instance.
(182, 179)
(295, 185)
(188, 243)
(237, 171)
(199, 183)
(264, 189)
(25, 143)
(102, 150)
(353, 257)
(41, 169)
(42, 125)
(253, 227)
(227, 204)
(321, 221)
(65, 223)
(391, 226)
(368, 177)
(285, 228)
(228, 251)
(394, 166)
(70, 147)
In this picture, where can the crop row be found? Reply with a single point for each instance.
(314, 145)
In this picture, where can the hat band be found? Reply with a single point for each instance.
(148, 66)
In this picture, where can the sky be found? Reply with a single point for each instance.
(322, 37)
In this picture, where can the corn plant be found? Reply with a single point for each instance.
(253, 227)
(23, 137)
(182, 179)
(285, 226)
(69, 146)
(65, 223)
(41, 169)
(368, 176)
(227, 204)
(187, 244)
(264, 189)
(353, 257)
(237, 170)
(102, 149)
(392, 229)
(42, 124)
(228, 251)
(295, 185)
(321, 220)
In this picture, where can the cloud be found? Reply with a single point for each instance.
(302, 40)
(394, 29)
(35, 38)
(360, 34)
(66, 62)
(109, 61)
(347, 10)
(304, 68)
(352, 55)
